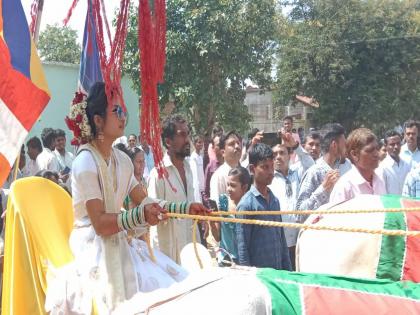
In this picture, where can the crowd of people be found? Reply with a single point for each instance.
(232, 173)
(118, 193)
(302, 172)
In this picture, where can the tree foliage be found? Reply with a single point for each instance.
(359, 59)
(59, 44)
(213, 46)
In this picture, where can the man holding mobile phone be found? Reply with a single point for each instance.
(65, 158)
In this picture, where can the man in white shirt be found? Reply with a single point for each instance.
(174, 234)
(363, 178)
(65, 158)
(197, 157)
(34, 148)
(231, 146)
(410, 151)
(393, 169)
(285, 186)
(47, 160)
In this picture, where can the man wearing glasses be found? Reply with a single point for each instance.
(285, 186)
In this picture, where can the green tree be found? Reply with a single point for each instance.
(59, 44)
(213, 46)
(359, 59)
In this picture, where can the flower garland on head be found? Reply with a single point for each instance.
(77, 120)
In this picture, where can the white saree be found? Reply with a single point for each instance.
(106, 270)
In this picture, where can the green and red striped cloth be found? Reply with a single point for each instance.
(316, 294)
(400, 256)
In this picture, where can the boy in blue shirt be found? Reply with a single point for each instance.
(261, 246)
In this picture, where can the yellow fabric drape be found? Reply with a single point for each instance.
(38, 225)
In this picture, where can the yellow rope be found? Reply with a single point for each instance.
(194, 239)
(309, 212)
(294, 225)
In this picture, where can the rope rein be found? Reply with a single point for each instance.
(295, 225)
(309, 212)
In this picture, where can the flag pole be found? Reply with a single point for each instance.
(38, 21)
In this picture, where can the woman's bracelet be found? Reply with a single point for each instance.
(177, 207)
(131, 219)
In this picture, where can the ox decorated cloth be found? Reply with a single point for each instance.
(364, 255)
(272, 292)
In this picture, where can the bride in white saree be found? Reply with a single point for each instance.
(111, 264)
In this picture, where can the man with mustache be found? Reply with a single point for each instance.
(173, 235)
(410, 151)
(394, 170)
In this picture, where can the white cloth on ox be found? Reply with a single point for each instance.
(222, 291)
(342, 253)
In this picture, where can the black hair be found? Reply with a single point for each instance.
(48, 137)
(133, 152)
(35, 143)
(217, 131)
(60, 133)
(96, 104)
(197, 138)
(390, 133)
(243, 175)
(47, 174)
(253, 132)
(289, 149)
(224, 137)
(259, 153)
(121, 146)
(313, 135)
(330, 132)
(288, 118)
(410, 124)
(169, 127)
(132, 134)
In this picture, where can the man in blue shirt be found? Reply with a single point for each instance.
(261, 246)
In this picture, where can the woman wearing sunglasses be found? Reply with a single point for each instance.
(109, 267)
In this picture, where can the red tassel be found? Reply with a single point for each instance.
(152, 45)
(111, 67)
(34, 16)
(70, 12)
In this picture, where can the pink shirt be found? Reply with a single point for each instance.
(352, 184)
(211, 153)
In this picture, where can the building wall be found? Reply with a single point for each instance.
(260, 106)
(62, 82)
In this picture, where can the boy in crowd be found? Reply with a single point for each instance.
(261, 246)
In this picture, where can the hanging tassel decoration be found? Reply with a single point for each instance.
(70, 12)
(34, 16)
(111, 67)
(152, 46)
